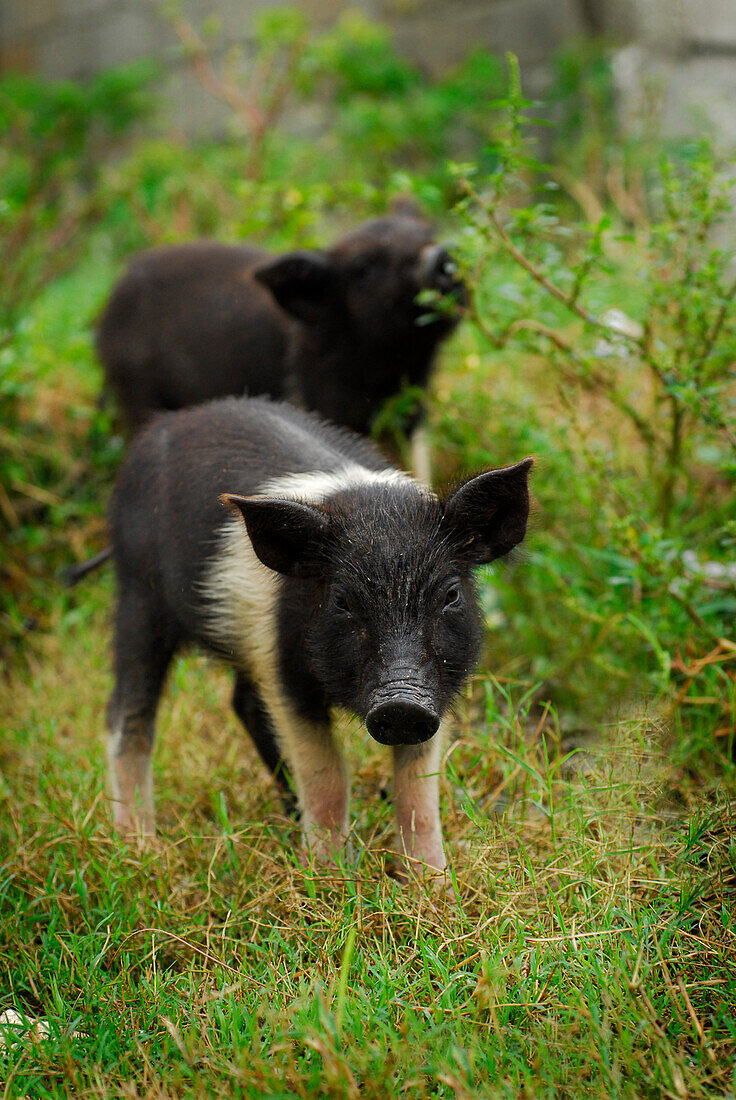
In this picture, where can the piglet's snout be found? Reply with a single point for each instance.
(401, 718)
(438, 270)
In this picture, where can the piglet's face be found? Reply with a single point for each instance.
(398, 630)
(381, 577)
(369, 281)
(384, 266)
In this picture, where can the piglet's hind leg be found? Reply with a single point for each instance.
(142, 657)
(129, 756)
(254, 714)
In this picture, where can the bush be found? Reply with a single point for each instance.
(54, 139)
(635, 334)
(372, 112)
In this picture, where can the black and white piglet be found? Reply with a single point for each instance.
(335, 331)
(330, 580)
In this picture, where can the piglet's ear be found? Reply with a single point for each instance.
(285, 535)
(487, 516)
(301, 282)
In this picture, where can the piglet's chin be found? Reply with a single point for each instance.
(402, 719)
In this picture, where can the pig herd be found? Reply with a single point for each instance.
(251, 515)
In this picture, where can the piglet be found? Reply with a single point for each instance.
(337, 331)
(325, 577)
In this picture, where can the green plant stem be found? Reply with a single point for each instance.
(674, 460)
(717, 326)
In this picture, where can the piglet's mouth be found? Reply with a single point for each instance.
(402, 715)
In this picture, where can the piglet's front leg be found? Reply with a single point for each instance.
(321, 781)
(417, 804)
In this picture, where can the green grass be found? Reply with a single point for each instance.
(591, 951)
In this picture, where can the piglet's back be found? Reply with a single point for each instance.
(165, 510)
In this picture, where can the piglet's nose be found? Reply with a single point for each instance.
(401, 722)
(445, 271)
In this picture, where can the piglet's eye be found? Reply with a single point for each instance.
(340, 603)
(452, 597)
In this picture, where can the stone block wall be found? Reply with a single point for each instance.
(681, 51)
(683, 55)
(72, 39)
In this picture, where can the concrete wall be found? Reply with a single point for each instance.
(681, 53)
(75, 38)
(682, 56)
